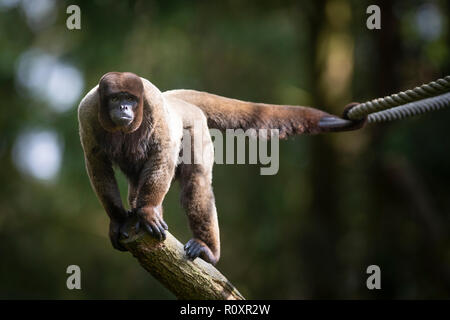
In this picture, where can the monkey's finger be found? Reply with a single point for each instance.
(116, 244)
(148, 228)
(156, 232)
(137, 226)
(164, 224)
(192, 248)
(198, 251)
(161, 230)
(187, 245)
(124, 232)
(195, 252)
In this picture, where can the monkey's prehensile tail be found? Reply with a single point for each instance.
(225, 113)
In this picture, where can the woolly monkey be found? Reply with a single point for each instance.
(126, 121)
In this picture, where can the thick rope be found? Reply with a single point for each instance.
(412, 102)
(411, 109)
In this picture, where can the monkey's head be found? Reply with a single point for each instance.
(121, 101)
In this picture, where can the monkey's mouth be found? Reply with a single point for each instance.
(123, 121)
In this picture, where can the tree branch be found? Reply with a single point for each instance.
(184, 278)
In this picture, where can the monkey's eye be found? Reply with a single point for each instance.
(114, 99)
(130, 99)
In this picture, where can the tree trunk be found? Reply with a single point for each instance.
(184, 278)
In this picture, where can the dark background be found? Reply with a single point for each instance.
(339, 203)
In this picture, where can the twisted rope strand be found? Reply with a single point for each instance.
(411, 109)
(432, 89)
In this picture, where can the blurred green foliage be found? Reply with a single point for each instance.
(338, 204)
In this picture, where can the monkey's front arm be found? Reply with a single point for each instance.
(154, 182)
(104, 183)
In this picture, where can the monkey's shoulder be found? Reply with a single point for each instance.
(88, 107)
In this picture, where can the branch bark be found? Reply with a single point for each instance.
(184, 278)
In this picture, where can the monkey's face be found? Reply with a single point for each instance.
(122, 108)
(121, 101)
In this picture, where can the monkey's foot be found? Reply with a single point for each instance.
(197, 248)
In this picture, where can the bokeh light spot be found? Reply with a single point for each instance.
(38, 153)
(49, 79)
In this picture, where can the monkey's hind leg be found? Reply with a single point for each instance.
(197, 199)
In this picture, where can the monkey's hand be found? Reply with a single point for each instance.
(197, 248)
(116, 230)
(150, 219)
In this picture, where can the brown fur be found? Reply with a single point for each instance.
(223, 113)
(147, 151)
